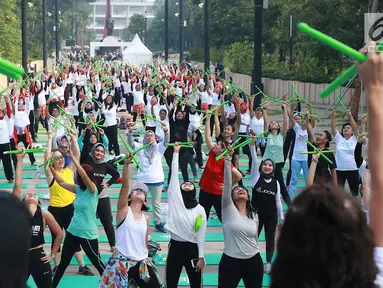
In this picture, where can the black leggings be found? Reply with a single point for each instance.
(6, 159)
(183, 162)
(129, 102)
(232, 270)
(71, 245)
(352, 178)
(23, 138)
(111, 132)
(269, 221)
(63, 216)
(104, 213)
(142, 117)
(279, 176)
(207, 200)
(40, 271)
(245, 149)
(180, 255)
(192, 164)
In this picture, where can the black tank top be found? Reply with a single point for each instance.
(264, 196)
(37, 229)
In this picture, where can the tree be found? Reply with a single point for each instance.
(136, 24)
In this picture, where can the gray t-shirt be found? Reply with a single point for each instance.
(240, 232)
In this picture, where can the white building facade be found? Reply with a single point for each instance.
(121, 11)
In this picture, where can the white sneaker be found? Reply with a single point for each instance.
(267, 268)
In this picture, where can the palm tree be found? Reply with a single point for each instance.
(81, 23)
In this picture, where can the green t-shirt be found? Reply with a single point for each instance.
(274, 148)
(83, 222)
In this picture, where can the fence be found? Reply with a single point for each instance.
(277, 88)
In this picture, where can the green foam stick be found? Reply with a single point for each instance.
(10, 66)
(34, 150)
(318, 151)
(142, 148)
(198, 222)
(227, 151)
(9, 73)
(130, 151)
(339, 46)
(49, 161)
(315, 152)
(234, 148)
(63, 125)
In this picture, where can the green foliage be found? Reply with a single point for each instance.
(136, 24)
(239, 57)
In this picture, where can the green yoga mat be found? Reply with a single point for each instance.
(25, 167)
(11, 185)
(24, 176)
(162, 237)
(209, 279)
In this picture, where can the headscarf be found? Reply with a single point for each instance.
(91, 154)
(270, 175)
(150, 151)
(189, 198)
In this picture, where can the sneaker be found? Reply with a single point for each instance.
(119, 180)
(33, 164)
(213, 215)
(54, 270)
(267, 268)
(10, 181)
(160, 228)
(85, 271)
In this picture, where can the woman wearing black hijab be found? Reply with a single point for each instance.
(100, 170)
(266, 201)
(187, 227)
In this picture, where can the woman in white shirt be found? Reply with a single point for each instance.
(257, 125)
(346, 142)
(187, 227)
(130, 266)
(138, 103)
(152, 173)
(109, 113)
(241, 258)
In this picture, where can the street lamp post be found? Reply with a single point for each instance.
(181, 16)
(166, 30)
(291, 41)
(207, 38)
(146, 28)
(57, 28)
(256, 77)
(24, 37)
(45, 52)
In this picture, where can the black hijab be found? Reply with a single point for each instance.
(189, 198)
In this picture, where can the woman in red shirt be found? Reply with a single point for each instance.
(211, 182)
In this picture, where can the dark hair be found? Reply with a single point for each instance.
(166, 112)
(89, 171)
(15, 238)
(108, 106)
(231, 125)
(325, 242)
(250, 211)
(329, 138)
(344, 125)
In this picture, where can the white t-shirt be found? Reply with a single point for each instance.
(4, 133)
(378, 256)
(110, 115)
(245, 123)
(205, 97)
(301, 136)
(344, 156)
(138, 97)
(229, 109)
(257, 125)
(214, 99)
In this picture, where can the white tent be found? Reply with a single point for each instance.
(137, 53)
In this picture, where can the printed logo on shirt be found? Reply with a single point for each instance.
(35, 230)
(98, 175)
(260, 190)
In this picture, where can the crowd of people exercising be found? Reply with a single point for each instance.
(327, 237)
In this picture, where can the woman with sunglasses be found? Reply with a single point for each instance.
(130, 263)
(39, 266)
(60, 199)
(241, 258)
(82, 231)
(274, 147)
(187, 227)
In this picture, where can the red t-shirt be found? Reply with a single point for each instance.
(212, 176)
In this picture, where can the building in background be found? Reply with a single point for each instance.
(121, 11)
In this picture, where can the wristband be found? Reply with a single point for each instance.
(52, 256)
